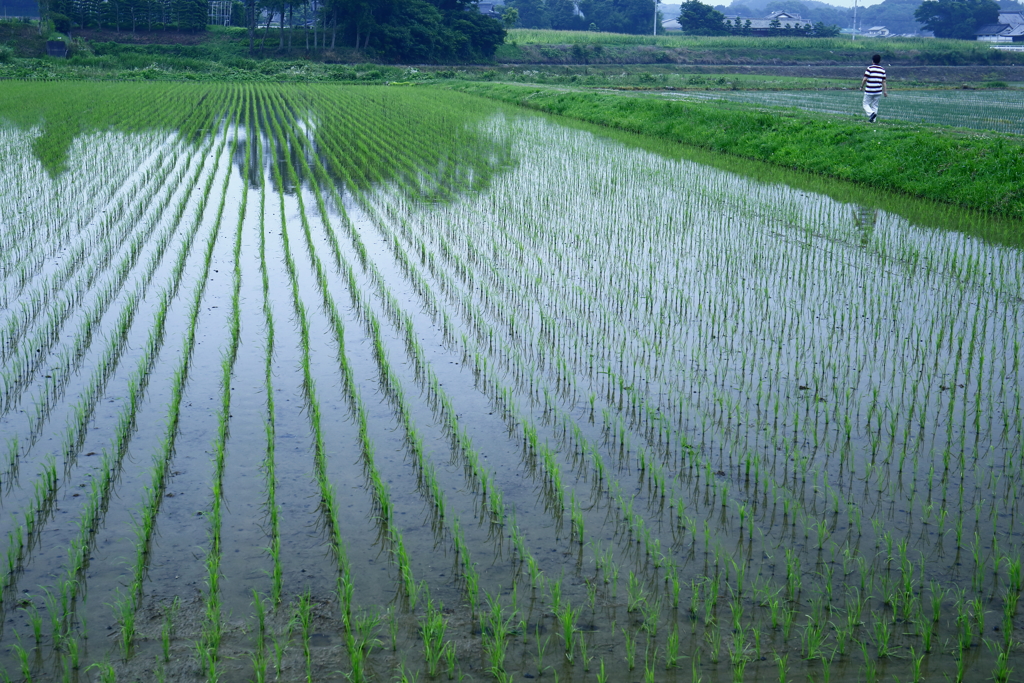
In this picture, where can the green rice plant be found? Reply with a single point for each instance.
(392, 621)
(167, 630)
(651, 615)
(782, 662)
(637, 596)
(23, 663)
(915, 666)
(870, 664)
(36, 621)
(567, 617)
(541, 648)
(1002, 670)
(672, 648)
(584, 657)
(124, 613)
(304, 618)
(432, 628)
(630, 648)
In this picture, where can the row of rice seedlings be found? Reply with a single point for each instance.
(83, 409)
(269, 461)
(208, 645)
(380, 493)
(128, 602)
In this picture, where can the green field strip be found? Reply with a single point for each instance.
(997, 111)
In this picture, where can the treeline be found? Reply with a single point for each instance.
(134, 15)
(615, 16)
(818, 29)
(410, 30)
(696, 18)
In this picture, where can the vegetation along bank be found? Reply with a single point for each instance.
(983, 171)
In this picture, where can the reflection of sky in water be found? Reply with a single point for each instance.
(760, 318)
(43, 213)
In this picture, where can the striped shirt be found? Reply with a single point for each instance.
(874, 78)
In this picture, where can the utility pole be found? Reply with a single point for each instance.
(854, 32)
(655, 17)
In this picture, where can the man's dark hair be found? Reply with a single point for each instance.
(875, 59)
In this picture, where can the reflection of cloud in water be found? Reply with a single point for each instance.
(41, 210)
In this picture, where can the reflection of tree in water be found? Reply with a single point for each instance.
(361, 137)
(865, 218)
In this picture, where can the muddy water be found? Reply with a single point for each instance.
(704, 424)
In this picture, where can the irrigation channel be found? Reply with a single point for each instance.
(338, 383)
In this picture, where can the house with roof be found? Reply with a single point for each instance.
(1009, 29)
(491, 8)
(876, 32)
(766, 25)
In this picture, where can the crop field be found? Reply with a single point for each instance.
(325, 383)
(1001, 110)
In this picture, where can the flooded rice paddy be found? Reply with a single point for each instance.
(336, 383)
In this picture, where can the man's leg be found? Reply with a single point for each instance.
(871, 103)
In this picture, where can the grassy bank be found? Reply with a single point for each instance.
(580, 47)
(976, 170)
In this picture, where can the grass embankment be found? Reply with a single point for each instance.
(983, 171)
(585, 47)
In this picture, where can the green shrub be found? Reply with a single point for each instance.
(61, 22)
(6, 54)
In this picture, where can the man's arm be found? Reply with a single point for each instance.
(863, 81)
(885, 88)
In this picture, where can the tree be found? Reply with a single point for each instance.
(956, 18)
(696, 18)
(510, 17)
(532, 13)
(619, 16)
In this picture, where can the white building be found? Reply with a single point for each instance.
(1009, 29)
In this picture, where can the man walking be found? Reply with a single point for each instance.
(873, 85)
